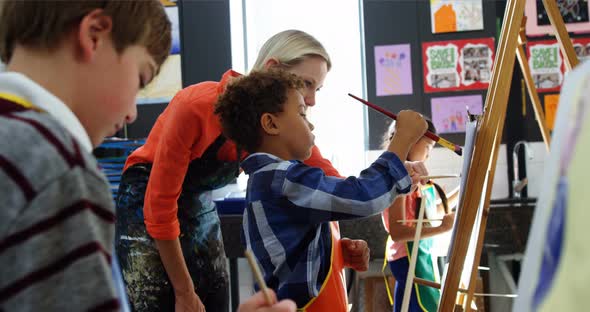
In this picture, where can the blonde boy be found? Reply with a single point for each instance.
(73, 69)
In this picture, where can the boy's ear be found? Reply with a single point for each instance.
(271, 62)
(94, 30)
(269, 125)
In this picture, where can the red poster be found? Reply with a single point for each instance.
(458, 64)
(547, 63)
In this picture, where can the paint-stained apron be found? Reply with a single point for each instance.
(148, 286)
(332, 296)
(423, 298)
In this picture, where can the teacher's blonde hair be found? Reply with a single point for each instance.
(289, 48)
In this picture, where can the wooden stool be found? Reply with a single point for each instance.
(375, 293)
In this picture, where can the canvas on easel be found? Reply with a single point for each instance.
(554, 274)
(470, 136)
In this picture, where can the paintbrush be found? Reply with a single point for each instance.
(258, 276)
(453, 147)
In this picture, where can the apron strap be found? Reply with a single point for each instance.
(211, 151)
(332, 295)
(389, 296)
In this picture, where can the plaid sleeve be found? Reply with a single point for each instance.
(332, 198)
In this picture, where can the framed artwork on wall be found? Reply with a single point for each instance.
(457, 65)
(449, 114)
(575, 13)
(456, 15)
(547, 64)
(393, 69)
(169, 80)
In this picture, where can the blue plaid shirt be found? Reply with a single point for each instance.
(289, 206)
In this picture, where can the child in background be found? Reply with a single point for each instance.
(399, 243)
(289, 204)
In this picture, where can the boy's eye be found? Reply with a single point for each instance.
(303, 115)
(308, 84)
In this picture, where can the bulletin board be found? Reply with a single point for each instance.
(415, 19)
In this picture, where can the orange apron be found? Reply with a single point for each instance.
(332, 296)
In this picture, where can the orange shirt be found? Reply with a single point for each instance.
(181, 134)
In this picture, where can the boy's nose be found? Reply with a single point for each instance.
(130, 118)
(310, 99)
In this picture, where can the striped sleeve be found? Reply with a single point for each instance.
(331, 198)
(57, 252)
(56, 220)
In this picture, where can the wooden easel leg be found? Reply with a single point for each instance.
(413, 259)
(483, 224)
(484, 217)
(565, 43)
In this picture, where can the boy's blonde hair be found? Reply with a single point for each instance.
(290, 47)
(42, 24)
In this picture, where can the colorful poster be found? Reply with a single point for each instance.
(393, 69)
(449, 114)
(575, 14)
(582, 48)
(456, 15)
(545, 62)
(458, 65)
(169, 81)
(551, 101)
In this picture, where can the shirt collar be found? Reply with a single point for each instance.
(20, 85)
(258, 160)
(226, 78)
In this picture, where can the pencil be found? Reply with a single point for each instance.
(258, 276)
(453, 147)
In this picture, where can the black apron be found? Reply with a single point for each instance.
(148, 286)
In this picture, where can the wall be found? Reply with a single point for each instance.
(398, 22)
(205, 49)
(206, 55)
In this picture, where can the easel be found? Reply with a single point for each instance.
(489, 136)
(488, 139)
